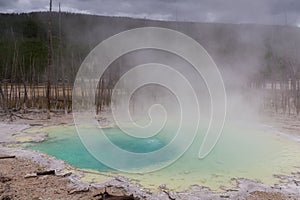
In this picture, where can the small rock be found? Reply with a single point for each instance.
(36, 198)
(297, 182)
(163, 187)
(6, 198)
(4, 179)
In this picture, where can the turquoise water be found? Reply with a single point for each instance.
(65, 144)
(244, 151)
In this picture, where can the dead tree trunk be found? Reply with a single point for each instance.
(61, 65)
(297, 97)
(49, 60)
(3, 99)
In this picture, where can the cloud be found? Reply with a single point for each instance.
(229, 11)
(6, 4)
(289, 6)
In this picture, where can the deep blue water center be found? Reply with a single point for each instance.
(132, 144)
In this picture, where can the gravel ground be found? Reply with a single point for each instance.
(14, 185)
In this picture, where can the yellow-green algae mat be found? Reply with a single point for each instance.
(244, 151)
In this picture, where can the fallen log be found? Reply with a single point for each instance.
(30, 175)
(224, 196)
(64, 174)
(43, 173)
(6, 157)
(36, 124)
(112, 197)
(22, 117)
(50, 172)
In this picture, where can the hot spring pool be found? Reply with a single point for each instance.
(243, 151)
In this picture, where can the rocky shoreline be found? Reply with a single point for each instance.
(70, 179)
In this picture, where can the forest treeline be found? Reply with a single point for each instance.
(252, 57)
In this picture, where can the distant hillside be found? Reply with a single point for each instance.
(246, 50)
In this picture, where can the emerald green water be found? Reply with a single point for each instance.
(243, 151)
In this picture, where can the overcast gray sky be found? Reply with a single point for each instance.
(226, 11)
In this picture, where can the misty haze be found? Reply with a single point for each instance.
(149, 99)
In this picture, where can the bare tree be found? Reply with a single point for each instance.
(49, 60)
(61, 66)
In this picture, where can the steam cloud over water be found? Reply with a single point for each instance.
(175, 77)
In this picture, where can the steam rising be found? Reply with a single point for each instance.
(179, 84)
